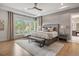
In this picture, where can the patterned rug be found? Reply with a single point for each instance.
(35, 50)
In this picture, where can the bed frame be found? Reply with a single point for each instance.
(46, 41)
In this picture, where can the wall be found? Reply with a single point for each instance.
(62, 19)
(3, 16)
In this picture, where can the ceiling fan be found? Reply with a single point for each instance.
(35, 7)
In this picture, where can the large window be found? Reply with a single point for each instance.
(24, 25)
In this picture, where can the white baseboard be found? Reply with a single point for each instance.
(73, 41)
(69, 40)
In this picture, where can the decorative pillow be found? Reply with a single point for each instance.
(54, 29)
(50, 29)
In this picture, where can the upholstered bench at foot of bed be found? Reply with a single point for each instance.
(42, 42)
(38, 40)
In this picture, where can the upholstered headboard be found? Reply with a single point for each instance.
(54, 27)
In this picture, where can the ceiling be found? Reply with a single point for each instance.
(48, 8)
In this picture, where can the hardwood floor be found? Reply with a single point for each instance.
(9, 48)
(69, 49)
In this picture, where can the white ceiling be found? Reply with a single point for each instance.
(48, 8)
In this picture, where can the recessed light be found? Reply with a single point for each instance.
(63, 7)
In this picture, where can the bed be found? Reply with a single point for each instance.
(48, 36)
(45, 35)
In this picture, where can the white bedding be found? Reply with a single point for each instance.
(46, 35)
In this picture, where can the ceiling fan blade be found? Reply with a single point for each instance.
(38, 8)
(35, 7)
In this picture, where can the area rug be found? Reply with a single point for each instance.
(35, 50)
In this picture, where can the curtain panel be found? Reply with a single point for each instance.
(10, 26)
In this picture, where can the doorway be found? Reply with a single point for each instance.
(75, 27)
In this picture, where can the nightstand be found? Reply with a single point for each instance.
(63, 37)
